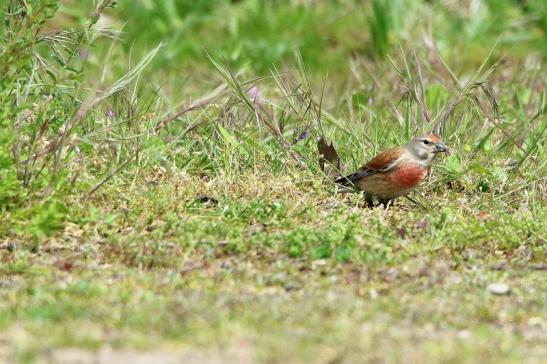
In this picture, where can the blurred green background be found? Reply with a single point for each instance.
(258, 34)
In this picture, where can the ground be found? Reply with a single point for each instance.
(166, 182)
(282, 271)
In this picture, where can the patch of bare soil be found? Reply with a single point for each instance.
(241, 353)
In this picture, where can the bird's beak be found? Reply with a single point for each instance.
(441, 147)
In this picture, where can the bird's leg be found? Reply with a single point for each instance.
(385, 202)
(369, 200)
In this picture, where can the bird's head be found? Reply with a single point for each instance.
(426, 147)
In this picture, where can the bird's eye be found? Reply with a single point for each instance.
(426, 142)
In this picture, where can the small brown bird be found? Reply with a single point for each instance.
(394, 172)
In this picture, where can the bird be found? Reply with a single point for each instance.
(394, 172)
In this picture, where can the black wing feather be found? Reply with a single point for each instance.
(349, 181)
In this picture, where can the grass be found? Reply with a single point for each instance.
(278, 262)
(161, 193)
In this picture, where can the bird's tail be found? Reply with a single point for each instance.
(345, 185)
(344, 189)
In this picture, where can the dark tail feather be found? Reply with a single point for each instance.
(347, 184)
(344, 181)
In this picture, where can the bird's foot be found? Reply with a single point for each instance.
(386, 203)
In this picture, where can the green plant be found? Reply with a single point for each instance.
(45, 104)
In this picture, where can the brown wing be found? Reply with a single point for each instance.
(383, 162)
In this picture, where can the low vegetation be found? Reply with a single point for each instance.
(161, 189)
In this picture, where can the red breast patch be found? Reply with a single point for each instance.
(408, 176)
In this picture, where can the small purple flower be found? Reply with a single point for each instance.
(255, 93)
(84, 53)
(304, 135)
(110, 114)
